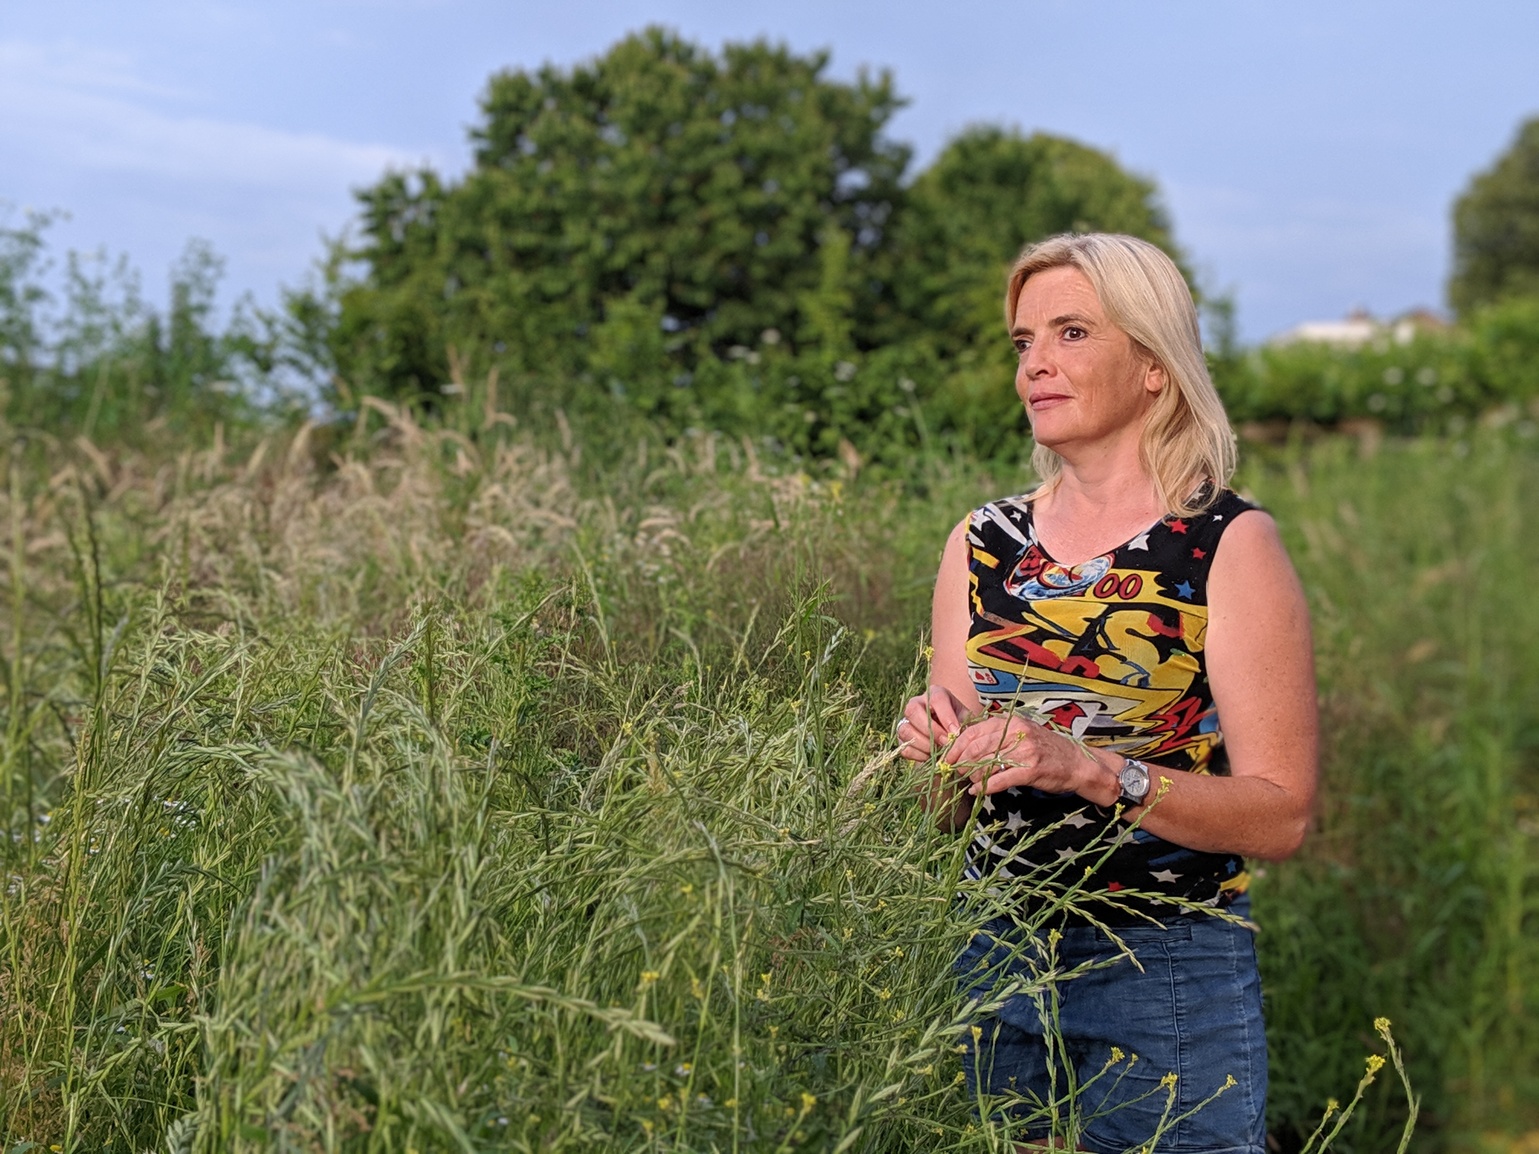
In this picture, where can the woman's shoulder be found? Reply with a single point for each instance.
(1221, 511)
(1230, 503)
(1250, 540)
(1010, 516)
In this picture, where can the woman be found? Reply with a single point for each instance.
(1088, 637)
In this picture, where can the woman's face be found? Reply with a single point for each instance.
(1082, 379)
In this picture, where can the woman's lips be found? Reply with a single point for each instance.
(1046, 400)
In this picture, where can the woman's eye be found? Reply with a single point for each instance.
(1073, 333)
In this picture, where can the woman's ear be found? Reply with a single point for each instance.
(1154, 377)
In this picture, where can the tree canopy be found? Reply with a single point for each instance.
(988, 194)
(1496, 228)
(658, 179)
(724, 238)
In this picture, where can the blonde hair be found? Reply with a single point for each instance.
(1187, 439)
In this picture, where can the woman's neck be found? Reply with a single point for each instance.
(1091, 510)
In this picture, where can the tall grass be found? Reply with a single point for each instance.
(427, 789)
(1417, 895)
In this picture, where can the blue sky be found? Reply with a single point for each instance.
(1308, 151)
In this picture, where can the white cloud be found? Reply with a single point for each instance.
(87, 109)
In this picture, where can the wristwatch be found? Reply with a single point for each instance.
(1133, 777)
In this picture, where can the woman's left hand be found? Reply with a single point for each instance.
(1006, 751)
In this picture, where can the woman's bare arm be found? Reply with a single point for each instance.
(951, 621)
(1260, 662)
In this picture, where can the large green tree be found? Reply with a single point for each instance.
(636, 213)
(723, 239)
(989, 193)
(1496, 228)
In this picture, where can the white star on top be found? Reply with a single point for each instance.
(1140, 542)
(1165, 876)
(1015, 821)
(1066, 854)
(1078, 819)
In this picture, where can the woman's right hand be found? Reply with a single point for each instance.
(931, 721)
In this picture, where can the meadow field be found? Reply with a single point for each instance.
(425, 784)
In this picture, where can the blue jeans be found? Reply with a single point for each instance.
(1194, 1011)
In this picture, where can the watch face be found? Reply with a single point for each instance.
(1134, 780)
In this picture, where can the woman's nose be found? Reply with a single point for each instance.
(1034, 361)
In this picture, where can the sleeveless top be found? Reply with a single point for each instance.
(1109, 651)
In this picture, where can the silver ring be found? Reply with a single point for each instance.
(897, 730)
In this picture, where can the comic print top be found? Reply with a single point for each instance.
(1110, 651)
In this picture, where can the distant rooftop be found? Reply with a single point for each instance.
(1360, 327)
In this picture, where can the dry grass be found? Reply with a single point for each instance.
(433, 789)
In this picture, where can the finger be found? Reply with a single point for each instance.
(996, 741)
(984, 777)
(942, 708)
(977, 743)
(1003, 779)
(911, 737)
(917, 713)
